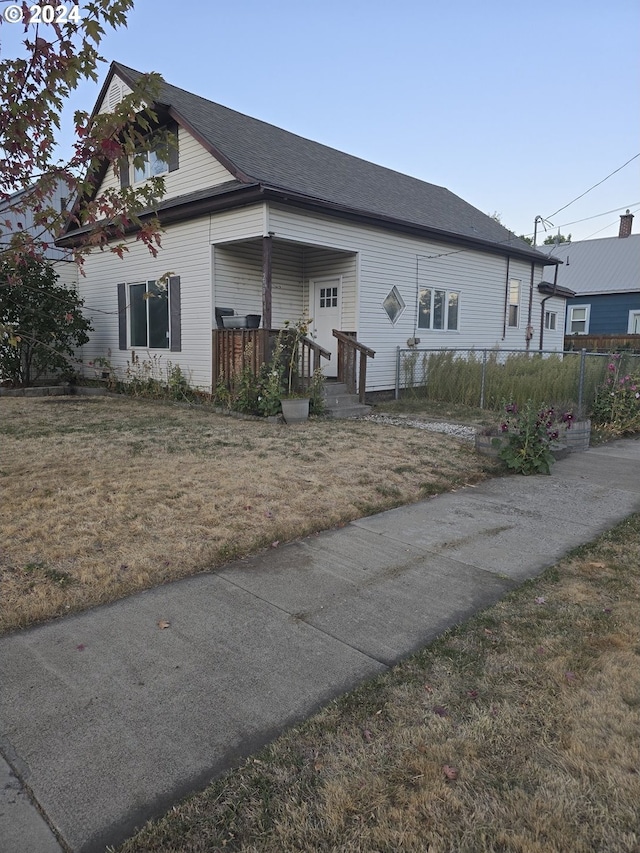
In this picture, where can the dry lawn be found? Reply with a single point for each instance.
(105, 496)
(518, 732)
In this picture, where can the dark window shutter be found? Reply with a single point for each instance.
(173, 149)
(122, 316)
(124, 172)
(175, 319)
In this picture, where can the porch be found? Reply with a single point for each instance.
(236, 349)
(278, 281)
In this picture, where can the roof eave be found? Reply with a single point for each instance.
(176, 210)
(366, 217)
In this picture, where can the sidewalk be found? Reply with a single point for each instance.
(106, 719)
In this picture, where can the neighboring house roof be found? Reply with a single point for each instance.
(284, 165)
(608, 265)
(12, 221)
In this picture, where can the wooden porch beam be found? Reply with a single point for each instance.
(267, 252)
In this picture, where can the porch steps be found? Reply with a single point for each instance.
(340, 404)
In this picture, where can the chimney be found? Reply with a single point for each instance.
(625, 224)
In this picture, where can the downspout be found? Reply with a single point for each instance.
(555, 284)
(529, 332)
(506, 301)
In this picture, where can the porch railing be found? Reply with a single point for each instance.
(310, 358)
(235, 349)
(352, 362)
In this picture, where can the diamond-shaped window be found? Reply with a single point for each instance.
(394, 304)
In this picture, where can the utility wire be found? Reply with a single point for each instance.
(593, 187)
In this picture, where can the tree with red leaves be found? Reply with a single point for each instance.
(55, 58)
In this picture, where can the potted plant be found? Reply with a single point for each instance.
(294, 401)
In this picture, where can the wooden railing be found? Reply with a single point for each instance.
(309, 359)
(602, 343)
(235, 349)
(352, 362)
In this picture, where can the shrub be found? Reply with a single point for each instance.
(617, 405)
(41, 323)
(530, 432)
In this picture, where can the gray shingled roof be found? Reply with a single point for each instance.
(607, 265)
(276, 158)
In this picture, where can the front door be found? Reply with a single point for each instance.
(327, 295)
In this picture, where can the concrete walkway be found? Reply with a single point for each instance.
(107, 719)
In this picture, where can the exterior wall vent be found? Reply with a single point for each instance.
(114, 96)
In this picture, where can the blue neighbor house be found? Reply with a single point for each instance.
(605, 276)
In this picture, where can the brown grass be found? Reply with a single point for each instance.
(534, 707)
(105, 496)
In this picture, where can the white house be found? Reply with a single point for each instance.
(265, 222)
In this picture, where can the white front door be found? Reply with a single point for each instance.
(326, 294)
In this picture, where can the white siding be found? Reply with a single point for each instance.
(244, 223)
(551, 340)
(387, 259)
(196, 170)
(185, 252)
(67, 272)
(238, 279)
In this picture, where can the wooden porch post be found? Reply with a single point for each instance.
(267, 245)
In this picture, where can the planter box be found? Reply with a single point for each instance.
(579, 435)
(234, 322)
(490, 445)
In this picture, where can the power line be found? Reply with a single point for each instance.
(593, 187)
(610, 224)
(598, 215)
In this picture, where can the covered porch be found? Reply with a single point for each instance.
(273, 281)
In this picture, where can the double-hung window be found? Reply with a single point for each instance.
(149, 314)
(158, 161)
(438, 309)
(513, 308)
(578, 320)
(149, 164)
(550, 318)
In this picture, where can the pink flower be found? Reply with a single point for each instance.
(611, 367)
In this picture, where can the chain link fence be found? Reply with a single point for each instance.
(486, 378)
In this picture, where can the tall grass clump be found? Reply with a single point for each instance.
(452, 376)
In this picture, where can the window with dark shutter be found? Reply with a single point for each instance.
(175, 313)
(122, 316)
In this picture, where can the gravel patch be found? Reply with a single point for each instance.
(466, 433)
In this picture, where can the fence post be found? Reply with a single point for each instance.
(397, 373)
(484, 373)
(583, 358)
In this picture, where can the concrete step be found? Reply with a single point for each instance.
(339, 403)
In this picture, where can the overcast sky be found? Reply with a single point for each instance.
(517, 107)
